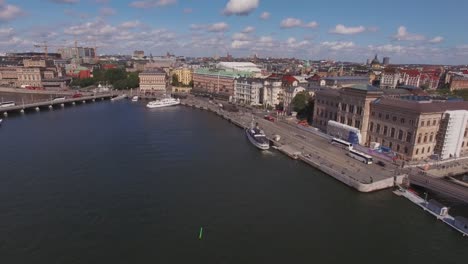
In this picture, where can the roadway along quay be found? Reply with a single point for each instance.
(313, 149)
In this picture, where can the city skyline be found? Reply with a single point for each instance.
(404, 31)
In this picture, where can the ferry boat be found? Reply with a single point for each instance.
(7, 104)
(135, 98)
(163, 103)
(257, 138)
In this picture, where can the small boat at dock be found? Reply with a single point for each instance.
(119, 97)
(135, 98)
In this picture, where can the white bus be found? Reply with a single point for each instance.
(341, 143)
(7, 104)
(364, 158)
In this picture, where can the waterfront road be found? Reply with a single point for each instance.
(307, 143)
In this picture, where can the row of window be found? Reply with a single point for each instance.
(393, 118)
(344, 107)
(384, 130)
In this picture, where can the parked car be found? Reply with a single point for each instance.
(381, 163)
(77, 95)
(270, 118)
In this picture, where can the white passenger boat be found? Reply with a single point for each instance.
(163, 103)
(257, 138)
(135, 98)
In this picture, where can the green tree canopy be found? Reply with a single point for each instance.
(300, 101)
(175, 80)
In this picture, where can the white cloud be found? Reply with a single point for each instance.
(107, 11)
(437, 39)
(240, 36)
(240, 7)
(387, 48)
(338, 45)
(290, 22)
(239, 44)
(218, 27)
(8, 12)
(404, 35)
(265, 15)
(6, 32)
(294, 44)
(248, 29)
(343, 30)
(130, 24)
(312, 24)
(65, 1)
(152, 3)
(196, 27)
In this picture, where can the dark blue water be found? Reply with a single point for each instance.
(117, 183)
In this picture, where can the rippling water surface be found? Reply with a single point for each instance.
(117, 183)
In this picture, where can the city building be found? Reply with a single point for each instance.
(418, 129)
(375, 64)
(346, 81)
(386, 61)
(240, 67)
(458, 82)
(216, 82)
(349, 106)
(410, 77)
(9, 76)
(29, 77)
(153, 81)
(389, 78)
(247, 90)
(184, 75)
(138, 54)
(78, 54)
(36, 63)
(273, 90)
(452, 141)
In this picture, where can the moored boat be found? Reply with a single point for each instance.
(257, 138)
(135, 98)
(163, 103)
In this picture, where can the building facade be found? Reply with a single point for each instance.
(29, 77)
(416, 130)
(216, 82)
(348, 106)
(153, 81)
(184, 75)
(8, 76)
(247, 91)
(389, 79)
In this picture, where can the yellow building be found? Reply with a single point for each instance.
(184, 75)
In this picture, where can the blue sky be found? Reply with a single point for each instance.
(407, 31)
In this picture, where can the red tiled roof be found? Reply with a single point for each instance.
(289, 79)
(412, 73)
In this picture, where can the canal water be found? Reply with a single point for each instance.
(114, 182)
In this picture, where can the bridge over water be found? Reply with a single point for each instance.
(54, 103)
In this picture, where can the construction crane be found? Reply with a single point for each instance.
(45, 46)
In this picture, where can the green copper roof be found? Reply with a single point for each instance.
(223, 73)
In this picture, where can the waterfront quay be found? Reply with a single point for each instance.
(312, 149)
